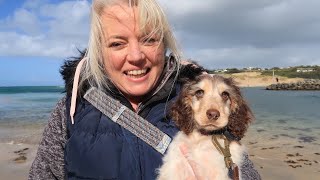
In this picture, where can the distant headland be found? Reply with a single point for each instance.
(291, 78)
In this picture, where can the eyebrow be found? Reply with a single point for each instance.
(122, 37)
(116, 37)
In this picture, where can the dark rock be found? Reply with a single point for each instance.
(310, 84)
(20, 159)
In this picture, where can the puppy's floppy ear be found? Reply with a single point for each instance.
(241, 115)
(181, 110)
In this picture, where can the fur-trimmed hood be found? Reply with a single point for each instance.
(68, 70)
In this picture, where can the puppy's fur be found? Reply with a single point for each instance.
(207, 105)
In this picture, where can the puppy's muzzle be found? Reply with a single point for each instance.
(213, 114)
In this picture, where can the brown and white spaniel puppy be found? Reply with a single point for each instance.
(207, 106)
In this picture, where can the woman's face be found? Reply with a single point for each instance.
(133, 62)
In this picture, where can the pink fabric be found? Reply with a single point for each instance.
(75, 89)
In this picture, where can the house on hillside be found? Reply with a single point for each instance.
(252, 69)
(221, 71)
(303, 70)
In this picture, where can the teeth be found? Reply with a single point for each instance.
(137, 72)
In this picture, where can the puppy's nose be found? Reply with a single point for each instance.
(213, 114)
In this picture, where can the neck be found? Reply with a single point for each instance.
(135, 101)
(134, 106)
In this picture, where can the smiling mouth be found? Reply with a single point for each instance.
(137, 73)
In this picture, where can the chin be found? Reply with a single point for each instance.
(136, 94)
(211, 128)
(138, 91)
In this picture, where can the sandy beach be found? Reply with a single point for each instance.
(274, 159)
(276, 156)
(15, 160)
(283, 157)
(18, 150)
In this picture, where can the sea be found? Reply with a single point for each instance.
(25, 110)
(295, 115)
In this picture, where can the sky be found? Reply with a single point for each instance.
(36, 36)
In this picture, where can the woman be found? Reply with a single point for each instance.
(125, 60)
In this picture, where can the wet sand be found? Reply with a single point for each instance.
(15, 160)
(284, 157)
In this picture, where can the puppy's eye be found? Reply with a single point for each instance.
(199, 93)
(225, 95)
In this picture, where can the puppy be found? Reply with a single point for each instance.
(210, 110)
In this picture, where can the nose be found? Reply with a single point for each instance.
(213, 114)
(135, 55)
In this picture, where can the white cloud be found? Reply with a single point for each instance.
(69, 19)
(34, 4)
(40, 45)
(244, 33)
(240, 57)
(40, 29)
(181, 7)
(25, 21)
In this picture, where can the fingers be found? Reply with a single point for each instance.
(183, 149)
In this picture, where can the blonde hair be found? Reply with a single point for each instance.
(151, 17)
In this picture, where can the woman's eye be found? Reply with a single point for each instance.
(115, 44)
(225, 95)
(149, 41)
(199, 93)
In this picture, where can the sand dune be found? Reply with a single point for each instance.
(255, 79)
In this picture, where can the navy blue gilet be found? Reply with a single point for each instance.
(98, 148)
